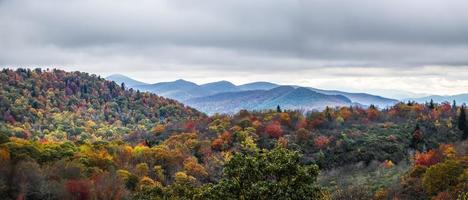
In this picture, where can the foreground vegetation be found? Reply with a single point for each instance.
(71, 135)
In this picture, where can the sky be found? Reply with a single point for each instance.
(382, 46)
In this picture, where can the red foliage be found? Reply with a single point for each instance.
(190, 126)
(301, 123)
(321, 142)
(274, 130)
(427, 159)
(78, 189)
(445, 107)
(316, 123)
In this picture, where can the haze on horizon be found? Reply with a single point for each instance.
(356, 45)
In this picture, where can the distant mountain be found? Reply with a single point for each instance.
(361, 98)
(396, 94)
(180, 90)
(258, 86)
(129, 82)
(220, 86)
(286, 96)
(460, 98)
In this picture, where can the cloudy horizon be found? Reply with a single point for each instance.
(419, 46)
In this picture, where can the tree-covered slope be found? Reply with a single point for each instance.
(59, 104)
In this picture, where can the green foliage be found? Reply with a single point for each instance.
(4, 138)
(275, 174)
(441, 176)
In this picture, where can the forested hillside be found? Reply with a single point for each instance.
(71, 135)
(63, 105)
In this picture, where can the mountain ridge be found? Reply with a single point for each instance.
(306, 98)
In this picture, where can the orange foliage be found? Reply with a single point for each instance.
(222, 142)
(274, 130)
(4, 154)
(427, 159)
(372, 114)
(387, 164)
(345, 113)
(159, 128)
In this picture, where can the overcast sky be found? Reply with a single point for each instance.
(356, 45)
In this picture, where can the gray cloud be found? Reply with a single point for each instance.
(223, 37)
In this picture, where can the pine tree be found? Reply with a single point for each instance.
(462, 118)
(431, 104)
(465, 133)
(278, 109)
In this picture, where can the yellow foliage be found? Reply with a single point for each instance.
(142, 169)
(249, 143)
(159, 173)
(140, 149)
(182, 177)
(194, 168)
(381, 194)
(227, 156)
(284, 117)
(448, 150)
(123, 174)
(148, 182)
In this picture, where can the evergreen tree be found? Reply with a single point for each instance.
(431, 104)
(462, 118)
(278, 109)
(465, 133)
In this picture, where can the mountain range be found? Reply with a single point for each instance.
(226, 97)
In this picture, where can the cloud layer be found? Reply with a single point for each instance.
(366, 44)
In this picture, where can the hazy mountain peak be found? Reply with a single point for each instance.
(260, 85)
(220, 86)
(119, 78)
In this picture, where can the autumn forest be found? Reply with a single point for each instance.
(74, 135)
